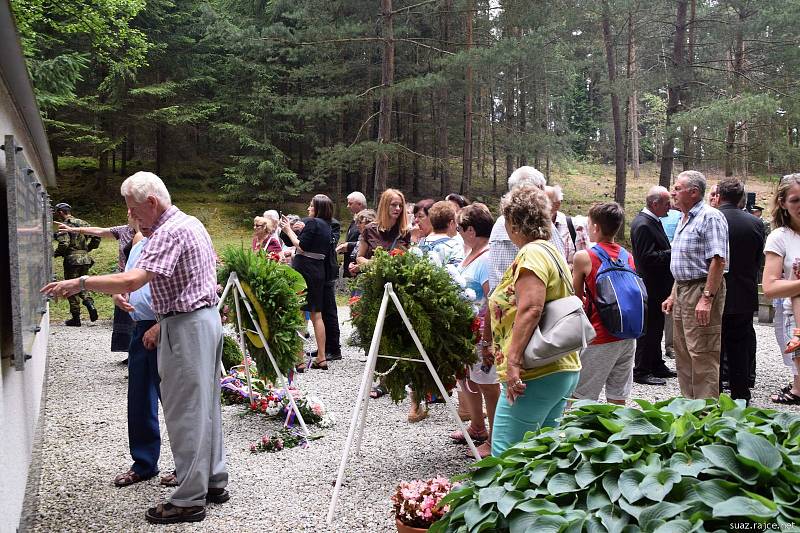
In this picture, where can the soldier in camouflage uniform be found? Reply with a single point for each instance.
(74, 248)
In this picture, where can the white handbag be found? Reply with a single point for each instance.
(563, 328)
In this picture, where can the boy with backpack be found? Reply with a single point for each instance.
(616, 303)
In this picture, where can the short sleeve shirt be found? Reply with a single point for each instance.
(441, 251)
(613, 250)
(140, 299)
(180, 254)
(475, 274)
(703, 236)
(386, 239)
(786, 243)
(503, 305)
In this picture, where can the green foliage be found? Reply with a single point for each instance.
(441, 317)
(677, 465)
(231, 353)
(276, 288)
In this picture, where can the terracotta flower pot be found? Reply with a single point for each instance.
(402, 528)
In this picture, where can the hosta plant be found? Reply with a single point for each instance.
(675, 466)
(275, 294)
(440, 315)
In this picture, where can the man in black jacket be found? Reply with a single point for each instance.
(356, 202)
(651, 253)
(746, 242)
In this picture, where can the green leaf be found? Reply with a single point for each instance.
(510, 500)
(613, 521)
(678, 526)
(540, 506)
(659, 511)
(689, 464)
(611, 486)
(610, 425)
(611, 454)
(629, 482)
(484, 476)
(714, 491)
(540, 471)
(755, 450)
(489, 495)
(547, 524)
(633, 428)
(725, 458)
(596, 498)
(587, 473)
(519, 522)
(744, 507)
(474, 514)
(590, 445)
(488, 524)
(657, 486)
(726, 403)
(562, 483)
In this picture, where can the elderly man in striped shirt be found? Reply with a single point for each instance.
(699, 260)
(179, 263)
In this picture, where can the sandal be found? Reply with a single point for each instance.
(378, 391)
(300, 368)
(419, 416)
(320, 365)
(166, 513)
(484, 450)
(787, 398)
(794, 343)
(129, 478)
(458, 436)
(170, 480)
(787, 388)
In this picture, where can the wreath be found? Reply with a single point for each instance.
(275, 292)
(441, 316)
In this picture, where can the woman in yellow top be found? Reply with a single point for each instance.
(529, 399)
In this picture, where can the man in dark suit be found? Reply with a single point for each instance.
(746, 248)
(651, 253)
(356, 202)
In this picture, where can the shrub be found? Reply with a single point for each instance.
(273, 290)
(677, 465)
(231, 353)
(441, 317)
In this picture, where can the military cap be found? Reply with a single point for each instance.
(63, 206)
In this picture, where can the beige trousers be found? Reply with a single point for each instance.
(697, 347)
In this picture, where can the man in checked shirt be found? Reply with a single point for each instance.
(180, 264)
(698, 261)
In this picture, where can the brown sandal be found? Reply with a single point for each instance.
(166, 513)
(129, 478)
(794, 343)
(170, 480)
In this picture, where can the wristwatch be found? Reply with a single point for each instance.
(82, 280)
(709, 294)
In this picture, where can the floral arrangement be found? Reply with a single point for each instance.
(275, 294)
(285, 438)
(418, 503)
(442, 318)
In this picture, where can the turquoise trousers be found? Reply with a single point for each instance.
(542, 403)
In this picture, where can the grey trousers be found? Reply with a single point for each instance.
(190, 351)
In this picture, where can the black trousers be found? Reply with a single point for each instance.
(738, 342)
(648, 346)
(330, 316)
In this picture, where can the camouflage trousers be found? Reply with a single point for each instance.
(72, 272)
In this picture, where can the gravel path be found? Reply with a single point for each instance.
(85, 446)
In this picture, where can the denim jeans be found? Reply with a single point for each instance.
(144, 436)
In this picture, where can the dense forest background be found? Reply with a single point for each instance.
(269, 99)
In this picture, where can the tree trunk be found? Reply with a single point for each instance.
(688, 159)
(442, 101)
(509, 123)
(387, 79)
(523, 117)
(123, 164)
(619, 141)
(482, 133)
(738, 59)
(414, 144)
(159, 148)
(633, 112)
(492, 121)
(677, 75)
(466, 173)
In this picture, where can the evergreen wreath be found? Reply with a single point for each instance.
(275, 294)
(442, 318)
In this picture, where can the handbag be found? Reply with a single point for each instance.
(563, 328)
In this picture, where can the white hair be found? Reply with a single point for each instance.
(271, 213)
(694, 179)
(554, 192)
(141, 185)
(654, 194)
(357, 196)
(526, 176)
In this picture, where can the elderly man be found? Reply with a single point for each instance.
(356, 202)
(179, 263)
(563, 224)
(651, 251)
(746, 234)
(698, 262)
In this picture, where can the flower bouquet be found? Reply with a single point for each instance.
(417, 503)
(286, 438)
(442, 318)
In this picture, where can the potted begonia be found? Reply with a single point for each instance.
(417, 503)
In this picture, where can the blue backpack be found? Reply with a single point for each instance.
(621, 298)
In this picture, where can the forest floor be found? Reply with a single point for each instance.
(230, 223)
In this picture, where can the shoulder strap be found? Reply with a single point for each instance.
(571, 227)
(561, 273)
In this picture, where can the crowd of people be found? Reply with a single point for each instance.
(690, 280)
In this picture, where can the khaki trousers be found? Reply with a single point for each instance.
(697, 347)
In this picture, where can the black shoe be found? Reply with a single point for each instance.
(92, 310)
(333, 356)
(649, 379)
(670, 353)
(217, 495)
(665, 372)
(75, 321)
